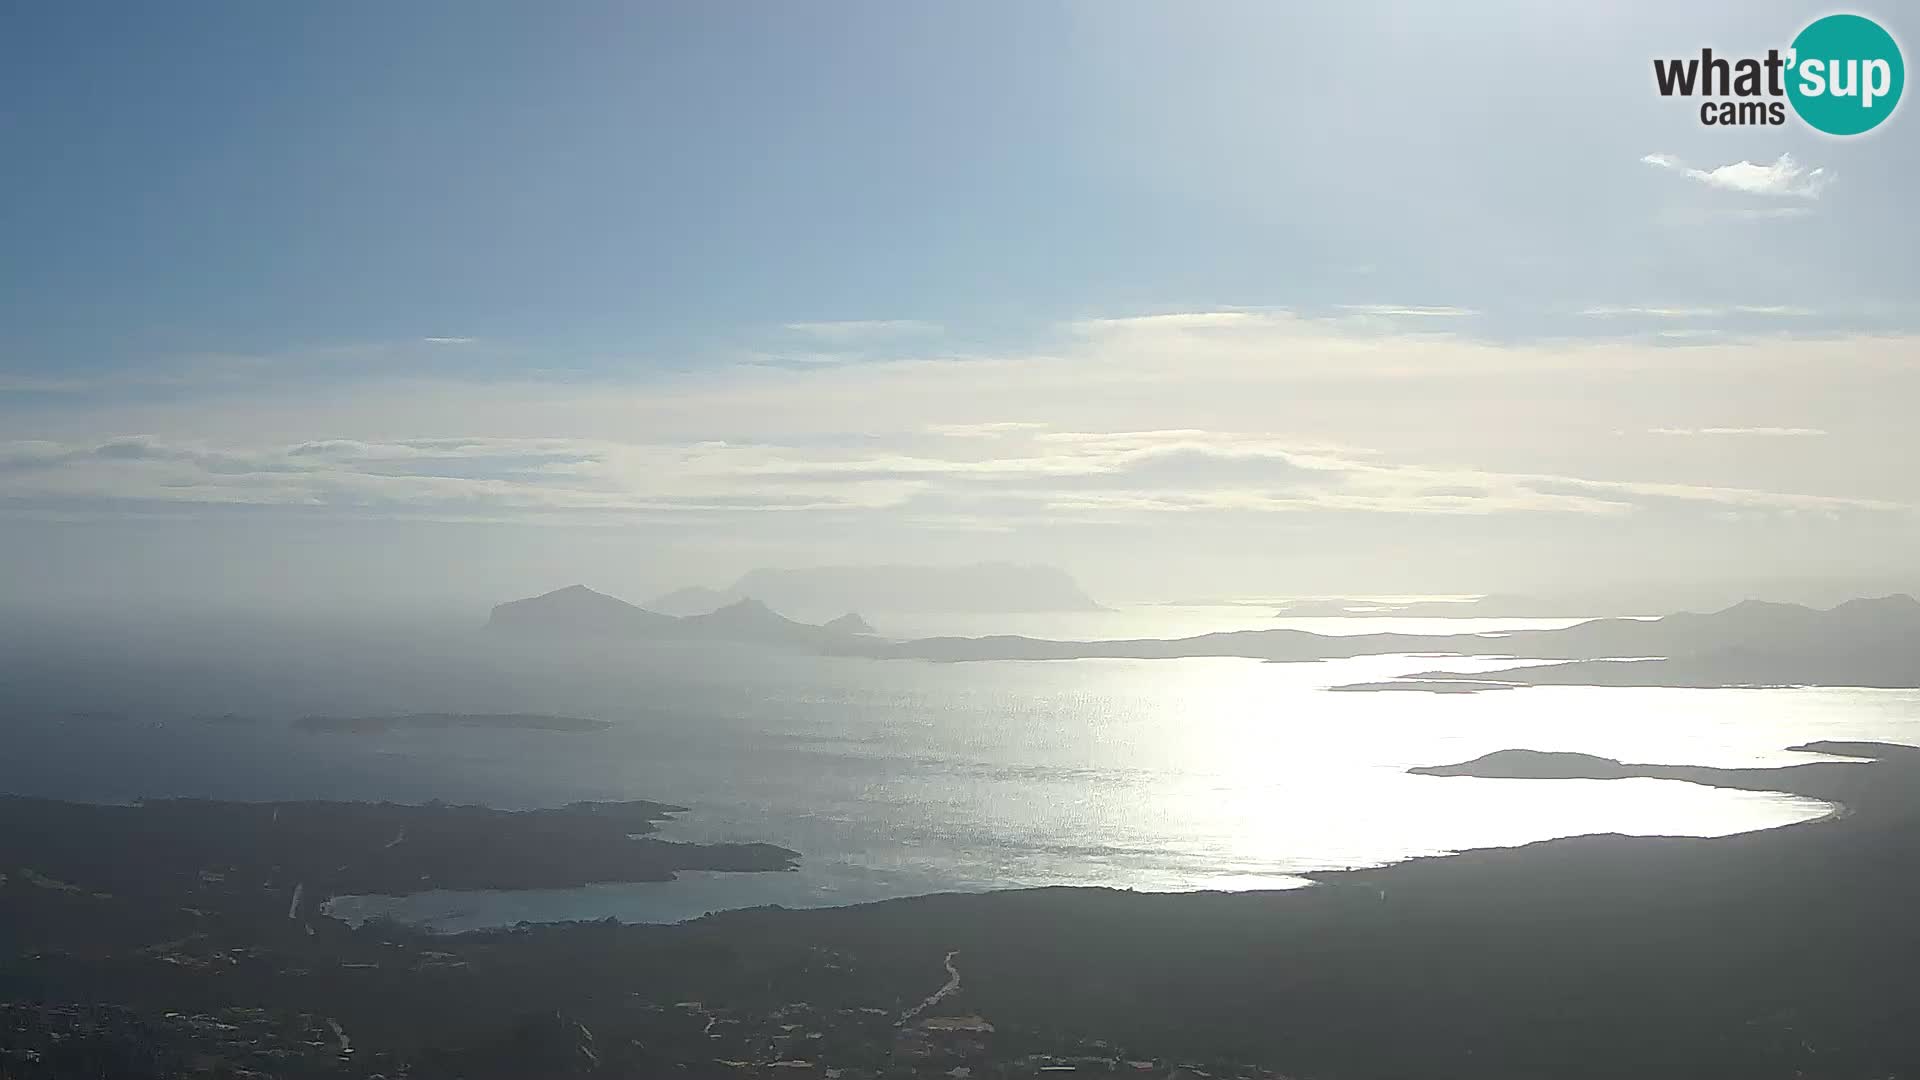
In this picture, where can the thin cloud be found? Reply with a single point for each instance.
(852, 331)
(1419, 311)
(557, 481)
(1654, 311)
(449, 340)
(1770, 432)
(1785, 178)
(1610, 311)
(992, 430)
(1172, 320)
(1255, 413)
(792, 358)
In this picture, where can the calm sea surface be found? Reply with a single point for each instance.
(896, 778)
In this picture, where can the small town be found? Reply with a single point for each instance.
(683, 1039)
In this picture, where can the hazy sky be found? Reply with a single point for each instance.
(443, 303)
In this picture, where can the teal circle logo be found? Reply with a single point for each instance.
(1846, 74)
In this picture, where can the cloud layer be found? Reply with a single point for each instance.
(1222, 412)
(1785, 178)
(1012, 476)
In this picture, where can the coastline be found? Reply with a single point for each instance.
(1731, 956)
(446, 914)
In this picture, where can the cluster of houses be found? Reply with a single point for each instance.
(60, 1040)
(802, 1041)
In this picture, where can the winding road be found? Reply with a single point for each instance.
(952, 984)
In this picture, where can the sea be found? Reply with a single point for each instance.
(899, 778)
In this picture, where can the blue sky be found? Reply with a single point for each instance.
(604, 177)
(599, 270)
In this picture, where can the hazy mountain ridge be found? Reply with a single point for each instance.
(1863, 642)
(977, 589)
(693, 600)
(579, 611)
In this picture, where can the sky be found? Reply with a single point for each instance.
(366, 305)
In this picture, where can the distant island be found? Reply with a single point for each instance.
(981, 588)
(1422, 686)
(371, 725)
(1863, 642)
(1832, 781)
(1873, 643)
(577, 611)
(1866, 642)
(694, 600)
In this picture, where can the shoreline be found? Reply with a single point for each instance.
(1608, 955)
(1836, 810)
(1726, 957)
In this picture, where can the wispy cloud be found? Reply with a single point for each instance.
(1610, 311)
(1171, 321)
(557, 481)
(1770, 432)
(1785, 178)
(449, 340)
(1409, 310)
(992, 430)
(856, 331)
(1682, 311)
(1253, 412)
